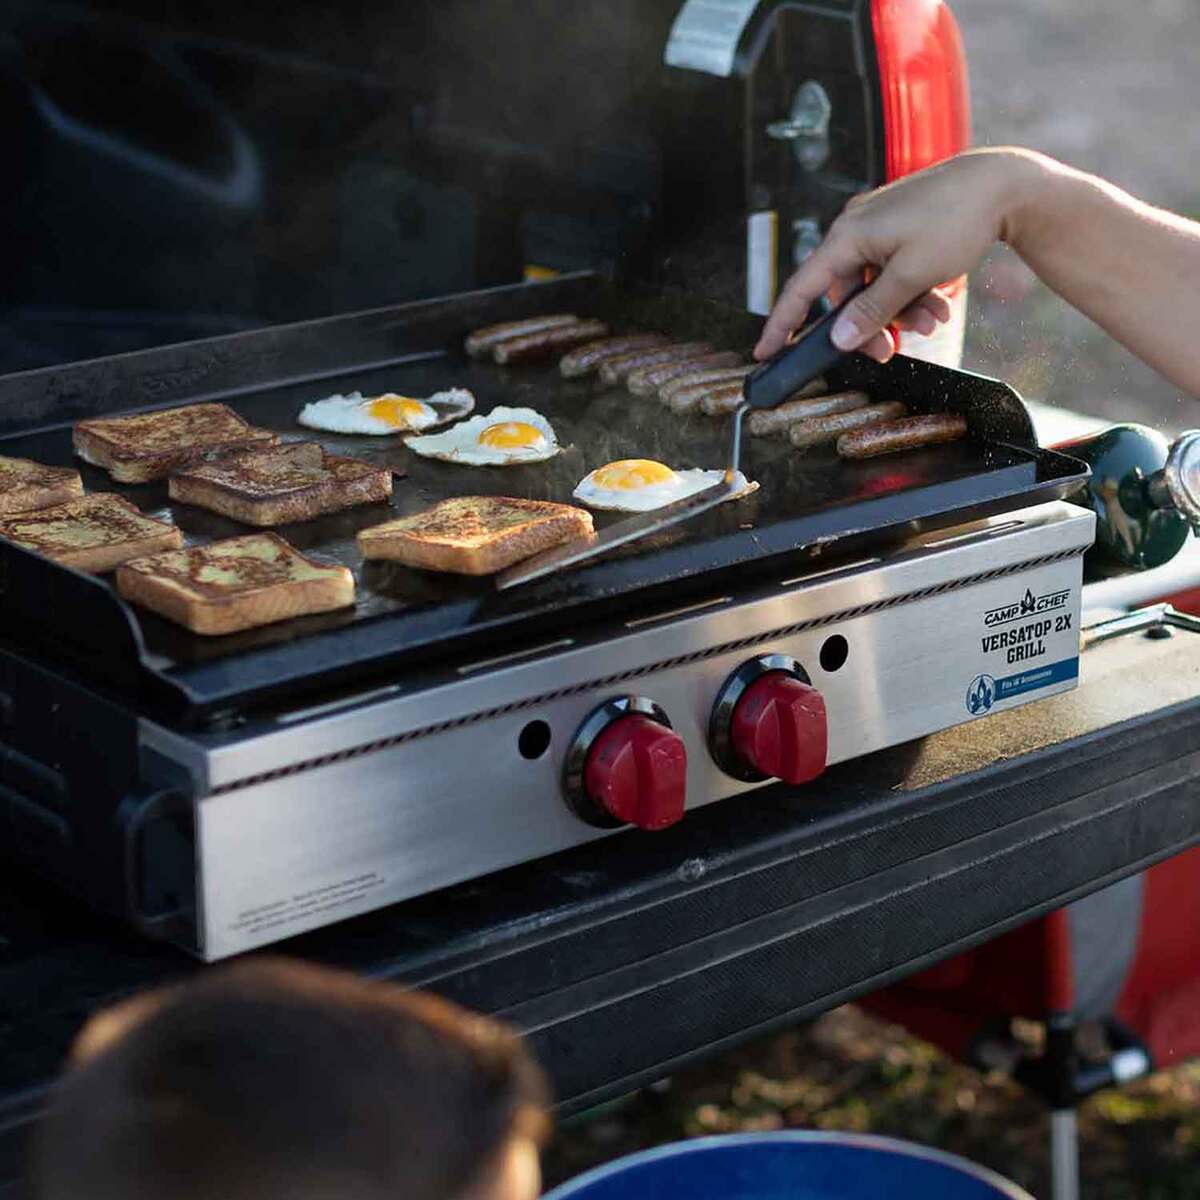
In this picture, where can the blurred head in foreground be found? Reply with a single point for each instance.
(272, 1078)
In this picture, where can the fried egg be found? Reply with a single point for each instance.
(504, 438)
(641, 484)
(389, 413)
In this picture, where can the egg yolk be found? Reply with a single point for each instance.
(632, 473)
(512, 435)
(397, 411)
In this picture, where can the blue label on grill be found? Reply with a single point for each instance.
(984, 691)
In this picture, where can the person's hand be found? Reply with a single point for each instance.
(910, 236)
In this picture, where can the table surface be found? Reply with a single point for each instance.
(628, 957)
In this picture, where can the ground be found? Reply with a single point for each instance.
(1105, 85)
(849, 1071)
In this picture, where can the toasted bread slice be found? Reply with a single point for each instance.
(475, 535)
(145, 446)
(236, 584)
(93, 533)
(278, 484)
(26, 485)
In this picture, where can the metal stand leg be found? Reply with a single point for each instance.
(1064, 1154)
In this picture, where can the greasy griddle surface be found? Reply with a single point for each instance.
(595, 424)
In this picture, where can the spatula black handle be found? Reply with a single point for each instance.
(788, 371)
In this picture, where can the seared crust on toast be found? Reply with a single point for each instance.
(145, 446)
(280, 484)
(92, 533)
(236, 584)
(26, 485)
(475, 535)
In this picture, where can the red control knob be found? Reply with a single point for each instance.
(779, 728)
(637, 771)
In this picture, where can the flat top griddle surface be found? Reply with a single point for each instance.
(807, 501)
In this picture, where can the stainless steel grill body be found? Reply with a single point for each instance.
(343, 808)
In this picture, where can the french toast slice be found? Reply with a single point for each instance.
(475, 535)
(236, 584)
(93, 533)
(26, 485)
(145, 446)
(279, 484)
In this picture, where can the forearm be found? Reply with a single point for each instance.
(1132, 268)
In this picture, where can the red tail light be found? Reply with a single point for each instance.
(923, 78)
(926, 118)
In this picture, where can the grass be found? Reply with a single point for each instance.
(849, 1071)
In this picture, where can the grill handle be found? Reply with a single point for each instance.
(134, 817)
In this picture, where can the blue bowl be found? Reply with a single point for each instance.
(790, 1166)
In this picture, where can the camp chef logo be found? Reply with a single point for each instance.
(981, 694)
(1029, 605)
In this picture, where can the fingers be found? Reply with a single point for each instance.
(938, 305)
(882, 347)
(924, 314)
(874, 309)
(835, 259)
(798, 296)
(916, 319)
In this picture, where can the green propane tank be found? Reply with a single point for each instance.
(1145, 492)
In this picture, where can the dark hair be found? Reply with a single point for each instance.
(276, 1078)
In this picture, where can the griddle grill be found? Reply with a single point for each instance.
(810, 506)
(380, 752)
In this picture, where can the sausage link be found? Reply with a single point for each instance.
(645, 381)
(685, 392)
(724, 398)
(727, 397)
(818, 430)
(768, 421)
(532, 346)
(589, 356)
(616, 370)
(481, 341)
(926, 429)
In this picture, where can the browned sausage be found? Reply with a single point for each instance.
(724, 398)
(829, 428)
(767, 421)
(483, 340)
(588, 357)
(927, 429)
(685, 392)
(645, 381)
(727, 397)
(617, 369)
(532, 346)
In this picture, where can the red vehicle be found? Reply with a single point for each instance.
(189, 171)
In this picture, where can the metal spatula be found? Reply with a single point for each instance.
(778, 378)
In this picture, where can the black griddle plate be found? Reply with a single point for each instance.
(809, 503)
